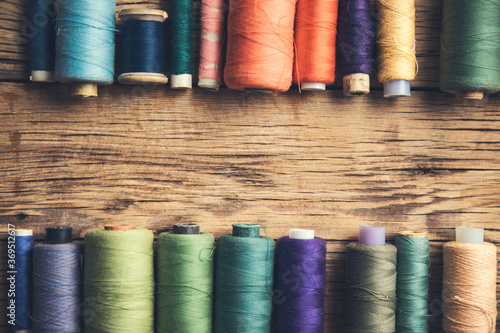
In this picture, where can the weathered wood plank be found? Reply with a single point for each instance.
(15, 29)
(310, 160)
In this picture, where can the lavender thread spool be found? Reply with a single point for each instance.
(355, 44)
(300, 283)
(57, 283)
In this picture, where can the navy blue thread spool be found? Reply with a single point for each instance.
(142, 47)
(42, 41)
(22, 271)
(57, 283)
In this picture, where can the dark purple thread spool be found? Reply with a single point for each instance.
(355, 45)
(300, 283)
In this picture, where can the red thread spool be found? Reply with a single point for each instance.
(260, 45)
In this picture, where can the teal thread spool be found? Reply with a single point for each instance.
(185, 280)
(119, 280)
(412, 285)
(243, 281)
(181, 44)
(470, 45)
(371, 283)
(85, 45)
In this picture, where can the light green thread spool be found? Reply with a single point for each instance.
(119, 281)
(185, 281)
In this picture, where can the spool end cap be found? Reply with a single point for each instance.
(186, 229)
(372, 235)
(356, 84)
(249, 230)
(181, 81)
(301, 234)
(58, 235)
(397, 88)
(313, 86)
(469, 235)
(209, 84)
(42, 76)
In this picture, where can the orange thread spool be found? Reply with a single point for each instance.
(260, 45)
(315, 35)
(212, 37)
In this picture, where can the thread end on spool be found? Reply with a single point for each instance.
(356, 84)
(372, 235)
(248, 230)
(58, 235)
(209, 84)
(186, 229)
(84, 89)
(313, 86)
(23, 232)
(397, 88)
(301, 234)
(117, 227)
(42, 76)
(181, 81)
(143, 78)
(469, 235)
(146, 14)
(469, 95)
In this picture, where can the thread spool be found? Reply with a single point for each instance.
(23, 278)
(300, 282)
(213, 21)
(470, 43)
(119, 280)
(181, 44)
(57, 283)
(469, 283)
(356, 42)
(412, 285)
(371, 283)
(85, 45)
(396, 46)
(243, 281)
(260, 45)
(142, 47)
(42, 41)
(315, 35)
(185, 280)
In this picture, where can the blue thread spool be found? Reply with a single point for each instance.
(23, 279)
(85, 45)
(57, 283)
(142, 47)
(42, 41)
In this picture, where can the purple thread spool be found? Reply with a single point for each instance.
(57, 283)
(300, 283)
(355, 45)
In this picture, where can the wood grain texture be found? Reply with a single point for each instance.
(153, 157)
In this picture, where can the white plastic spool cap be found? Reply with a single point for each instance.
(313, 86)
(469, 235)
(397, 88)
(181, 81)
(209, 84)
(301, 234)
(371, 235)
(24, 232)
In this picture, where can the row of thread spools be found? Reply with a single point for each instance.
(243, 284)
(270, 44)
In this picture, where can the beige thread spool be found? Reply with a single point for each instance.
(469, 283)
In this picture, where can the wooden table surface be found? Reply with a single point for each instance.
(152, 157)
